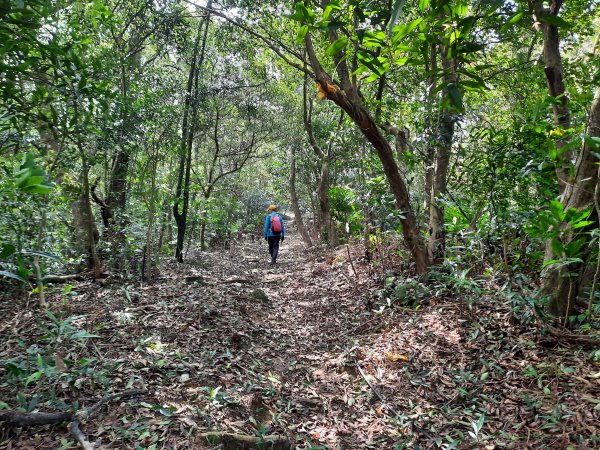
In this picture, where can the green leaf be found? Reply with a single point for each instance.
(592, 141)
(302, 14)
(4, 273)
(329, 25)
(39, 189)
(329, 9)
(423, 4)
(557, 247)
(402, 30)
(573, 248)
(7, 250)
(396, 11)
(33, 377)
(473, 85)
(555, 20)
(336, 46)
(513, 20)
(582, 224)
(301, 34)
(455, 95)
(557, 209)
(28, 161)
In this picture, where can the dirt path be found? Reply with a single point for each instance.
(229, 343)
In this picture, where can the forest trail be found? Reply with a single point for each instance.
(228, 343)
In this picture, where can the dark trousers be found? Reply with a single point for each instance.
(273, 247)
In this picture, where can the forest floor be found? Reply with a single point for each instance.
(301, 352)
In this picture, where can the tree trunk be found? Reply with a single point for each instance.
(324, 203)
(88, 220)
(558, 283)
(437, 234)
(203, 235)
(431, 67)
(36, 260)
(553, 70)
(294, 198)
(148, 253)
(326, 225)
(182, 195)
(436, 247)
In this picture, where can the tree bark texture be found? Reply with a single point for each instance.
(553, 70)
(436, 246)
(294, 198)
(325, 224)
(558, 283)
(431, 67)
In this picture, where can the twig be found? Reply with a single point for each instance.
(87, 413)
(351, 262)
(79, 436)
(357, 327)
(386, 405)
(28, 419)
(383, 401)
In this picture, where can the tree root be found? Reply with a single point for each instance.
(235, 441)
(13, 419)
(558, 336)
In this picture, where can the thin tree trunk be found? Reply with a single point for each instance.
(324, 202)
(294, 198)
(553, 70)
(36, 260)
(148, 254)
(182, 194)
(436, 247)
(203, 235)
(325, 220)
(87, 207)
(431, 67)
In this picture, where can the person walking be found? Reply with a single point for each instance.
(274, 231)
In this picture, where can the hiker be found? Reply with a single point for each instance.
(274, 231)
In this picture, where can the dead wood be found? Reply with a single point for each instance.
(235, 441)
(79, 436)
(32, 419)
(236, 280)
(29, 419)
(88, 413)
(66, 278)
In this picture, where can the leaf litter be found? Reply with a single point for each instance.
(228, 344)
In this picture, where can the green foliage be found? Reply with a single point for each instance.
(559, 226)
(346, 209)
(20, 191)
(41, 365)
(401, 291)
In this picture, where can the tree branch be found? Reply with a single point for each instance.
(273, 46)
